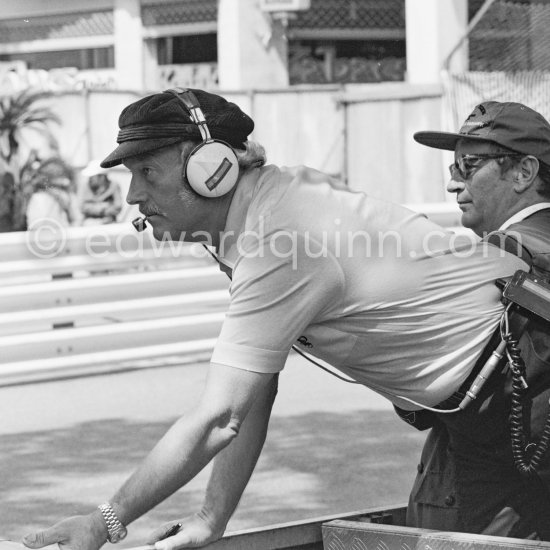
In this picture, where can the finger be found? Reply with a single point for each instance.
(41, 538)
(181, 540)
(155, 535)
(161, 532)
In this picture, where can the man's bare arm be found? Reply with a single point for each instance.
(231, 471)
(186, 448)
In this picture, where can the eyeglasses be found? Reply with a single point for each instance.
(467, 165)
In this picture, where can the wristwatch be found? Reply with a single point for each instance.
(116, 530)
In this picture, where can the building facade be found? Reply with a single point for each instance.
(225, 44)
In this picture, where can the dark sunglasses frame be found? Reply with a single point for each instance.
(467, 165)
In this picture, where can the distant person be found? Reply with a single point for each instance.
(53, 198)
(101, 200)
(7, 185)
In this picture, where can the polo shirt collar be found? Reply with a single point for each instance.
(236, 217)
(525, 213)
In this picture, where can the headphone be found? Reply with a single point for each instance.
(212, 168)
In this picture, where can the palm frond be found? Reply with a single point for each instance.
(22, 111)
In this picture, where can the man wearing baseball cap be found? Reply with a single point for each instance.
(502, 164)
(368, 286)
(468, 479)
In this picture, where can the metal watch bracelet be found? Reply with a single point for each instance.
(115, 528)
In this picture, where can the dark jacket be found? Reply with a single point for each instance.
(467, 475)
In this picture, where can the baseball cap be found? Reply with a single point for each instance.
(161, 119)
(511, 125)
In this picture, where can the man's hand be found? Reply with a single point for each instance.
(195, 531)
(77, 533)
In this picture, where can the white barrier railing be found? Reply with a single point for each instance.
(81, 300)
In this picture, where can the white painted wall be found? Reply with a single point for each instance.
(382, 158)
(362, 133)
(252, 50)
(433, 28)
(129, 55)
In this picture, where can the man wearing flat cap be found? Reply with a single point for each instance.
(474, 475)
(386, 296)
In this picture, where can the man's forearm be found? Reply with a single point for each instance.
(229, 395)
(181, 454)
(233, 467)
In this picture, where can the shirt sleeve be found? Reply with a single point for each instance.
(279, 287)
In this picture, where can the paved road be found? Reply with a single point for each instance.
(65, 446)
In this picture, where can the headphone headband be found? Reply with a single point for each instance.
(187, 97)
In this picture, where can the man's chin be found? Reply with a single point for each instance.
(162, 234)
(469, 221)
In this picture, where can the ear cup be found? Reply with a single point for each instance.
(212, 169)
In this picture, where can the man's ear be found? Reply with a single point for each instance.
(525, 173)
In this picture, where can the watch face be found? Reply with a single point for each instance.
(118, 535)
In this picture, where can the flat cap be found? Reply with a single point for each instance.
(162, 119)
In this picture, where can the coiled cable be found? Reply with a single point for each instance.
(525, 459)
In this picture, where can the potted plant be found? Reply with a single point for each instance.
(20, 113)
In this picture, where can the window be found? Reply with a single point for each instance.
(92, 58)
(327, 61)
(198, 48)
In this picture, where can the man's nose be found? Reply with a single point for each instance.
(135, 193)
(455, 185)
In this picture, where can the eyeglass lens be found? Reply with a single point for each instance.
(466, 165)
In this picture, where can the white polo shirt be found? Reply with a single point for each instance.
(380, 292)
